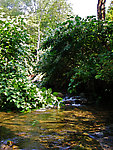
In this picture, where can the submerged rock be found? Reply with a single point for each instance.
(74, 101)
(9, 146)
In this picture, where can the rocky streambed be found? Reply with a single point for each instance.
(72, 127)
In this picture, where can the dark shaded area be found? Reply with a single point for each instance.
(5, 133)
(98, 92)
(20, 140)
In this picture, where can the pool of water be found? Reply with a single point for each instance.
(69, 128)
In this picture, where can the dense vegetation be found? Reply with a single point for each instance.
(79, 57)
(42, 16)
(16, 91)
(20, 40)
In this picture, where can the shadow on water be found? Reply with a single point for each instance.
(12, 130)
(104, 121)
(72, 128)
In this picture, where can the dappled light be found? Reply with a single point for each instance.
(53, 129)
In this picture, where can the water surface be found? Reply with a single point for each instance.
(72, 128)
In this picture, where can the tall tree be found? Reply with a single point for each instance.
(47, 14)
(43, 15)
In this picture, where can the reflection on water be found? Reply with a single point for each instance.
(72, 128)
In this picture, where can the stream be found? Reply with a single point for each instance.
(76, 128)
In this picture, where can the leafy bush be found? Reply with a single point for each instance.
(16, 91)
(79, 52)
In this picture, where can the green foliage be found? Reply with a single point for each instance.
(16, 92)
(12, 7)
(109, 15)
(78, 51)
(41, 15)
(46, 17)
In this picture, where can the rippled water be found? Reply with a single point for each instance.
(72, 128)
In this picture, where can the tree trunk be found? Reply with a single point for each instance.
(38, 41)
(38, 5)
(101, 9)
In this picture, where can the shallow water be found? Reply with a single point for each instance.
(72, 128)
